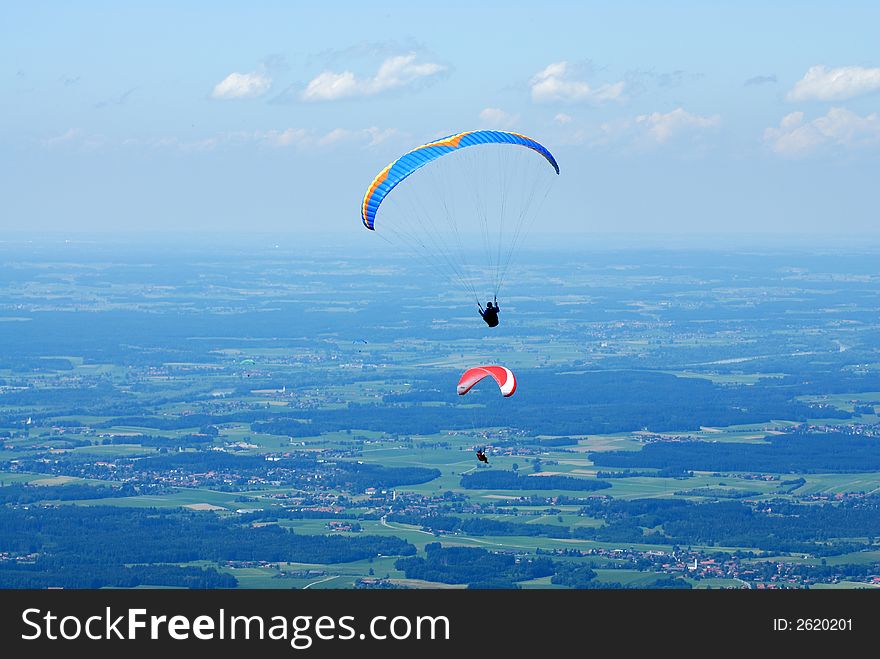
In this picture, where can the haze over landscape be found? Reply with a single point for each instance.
(682, 418)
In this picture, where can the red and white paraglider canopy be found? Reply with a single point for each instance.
(502, 375)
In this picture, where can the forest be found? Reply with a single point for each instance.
(802, 453)
(56, 544)
(473, 566)
(499, 479)
(775, 525)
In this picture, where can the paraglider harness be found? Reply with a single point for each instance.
(482, 456)
(490, 314)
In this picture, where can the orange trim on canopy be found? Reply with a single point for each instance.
(380, 178)
(449, 141)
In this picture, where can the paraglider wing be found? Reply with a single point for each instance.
(502, 375)
(408, 163)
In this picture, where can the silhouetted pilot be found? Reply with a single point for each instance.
(490, 314)
(482, 456)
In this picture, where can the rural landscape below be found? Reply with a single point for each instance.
(261, 415)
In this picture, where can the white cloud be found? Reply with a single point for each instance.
(791, 121)
(824, 84)
(330, 86)
(612, 92)
(394, 73)
(242, 85)
(287, 137)
(554, 83)
(661, 127)
(335, 136)
(498, 118)
(562, 118)
(839, 127)
(557, 83)
(379, 135)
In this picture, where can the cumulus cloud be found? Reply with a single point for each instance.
(335, 136)
(557, 83)
(395, 72)
(824, 84)
(839, 127)
(562, 118)
(379, 135)
(242, 85)
(498, 118)
(286, 137)
(661, 127)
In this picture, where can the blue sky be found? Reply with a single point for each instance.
(666, 118)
